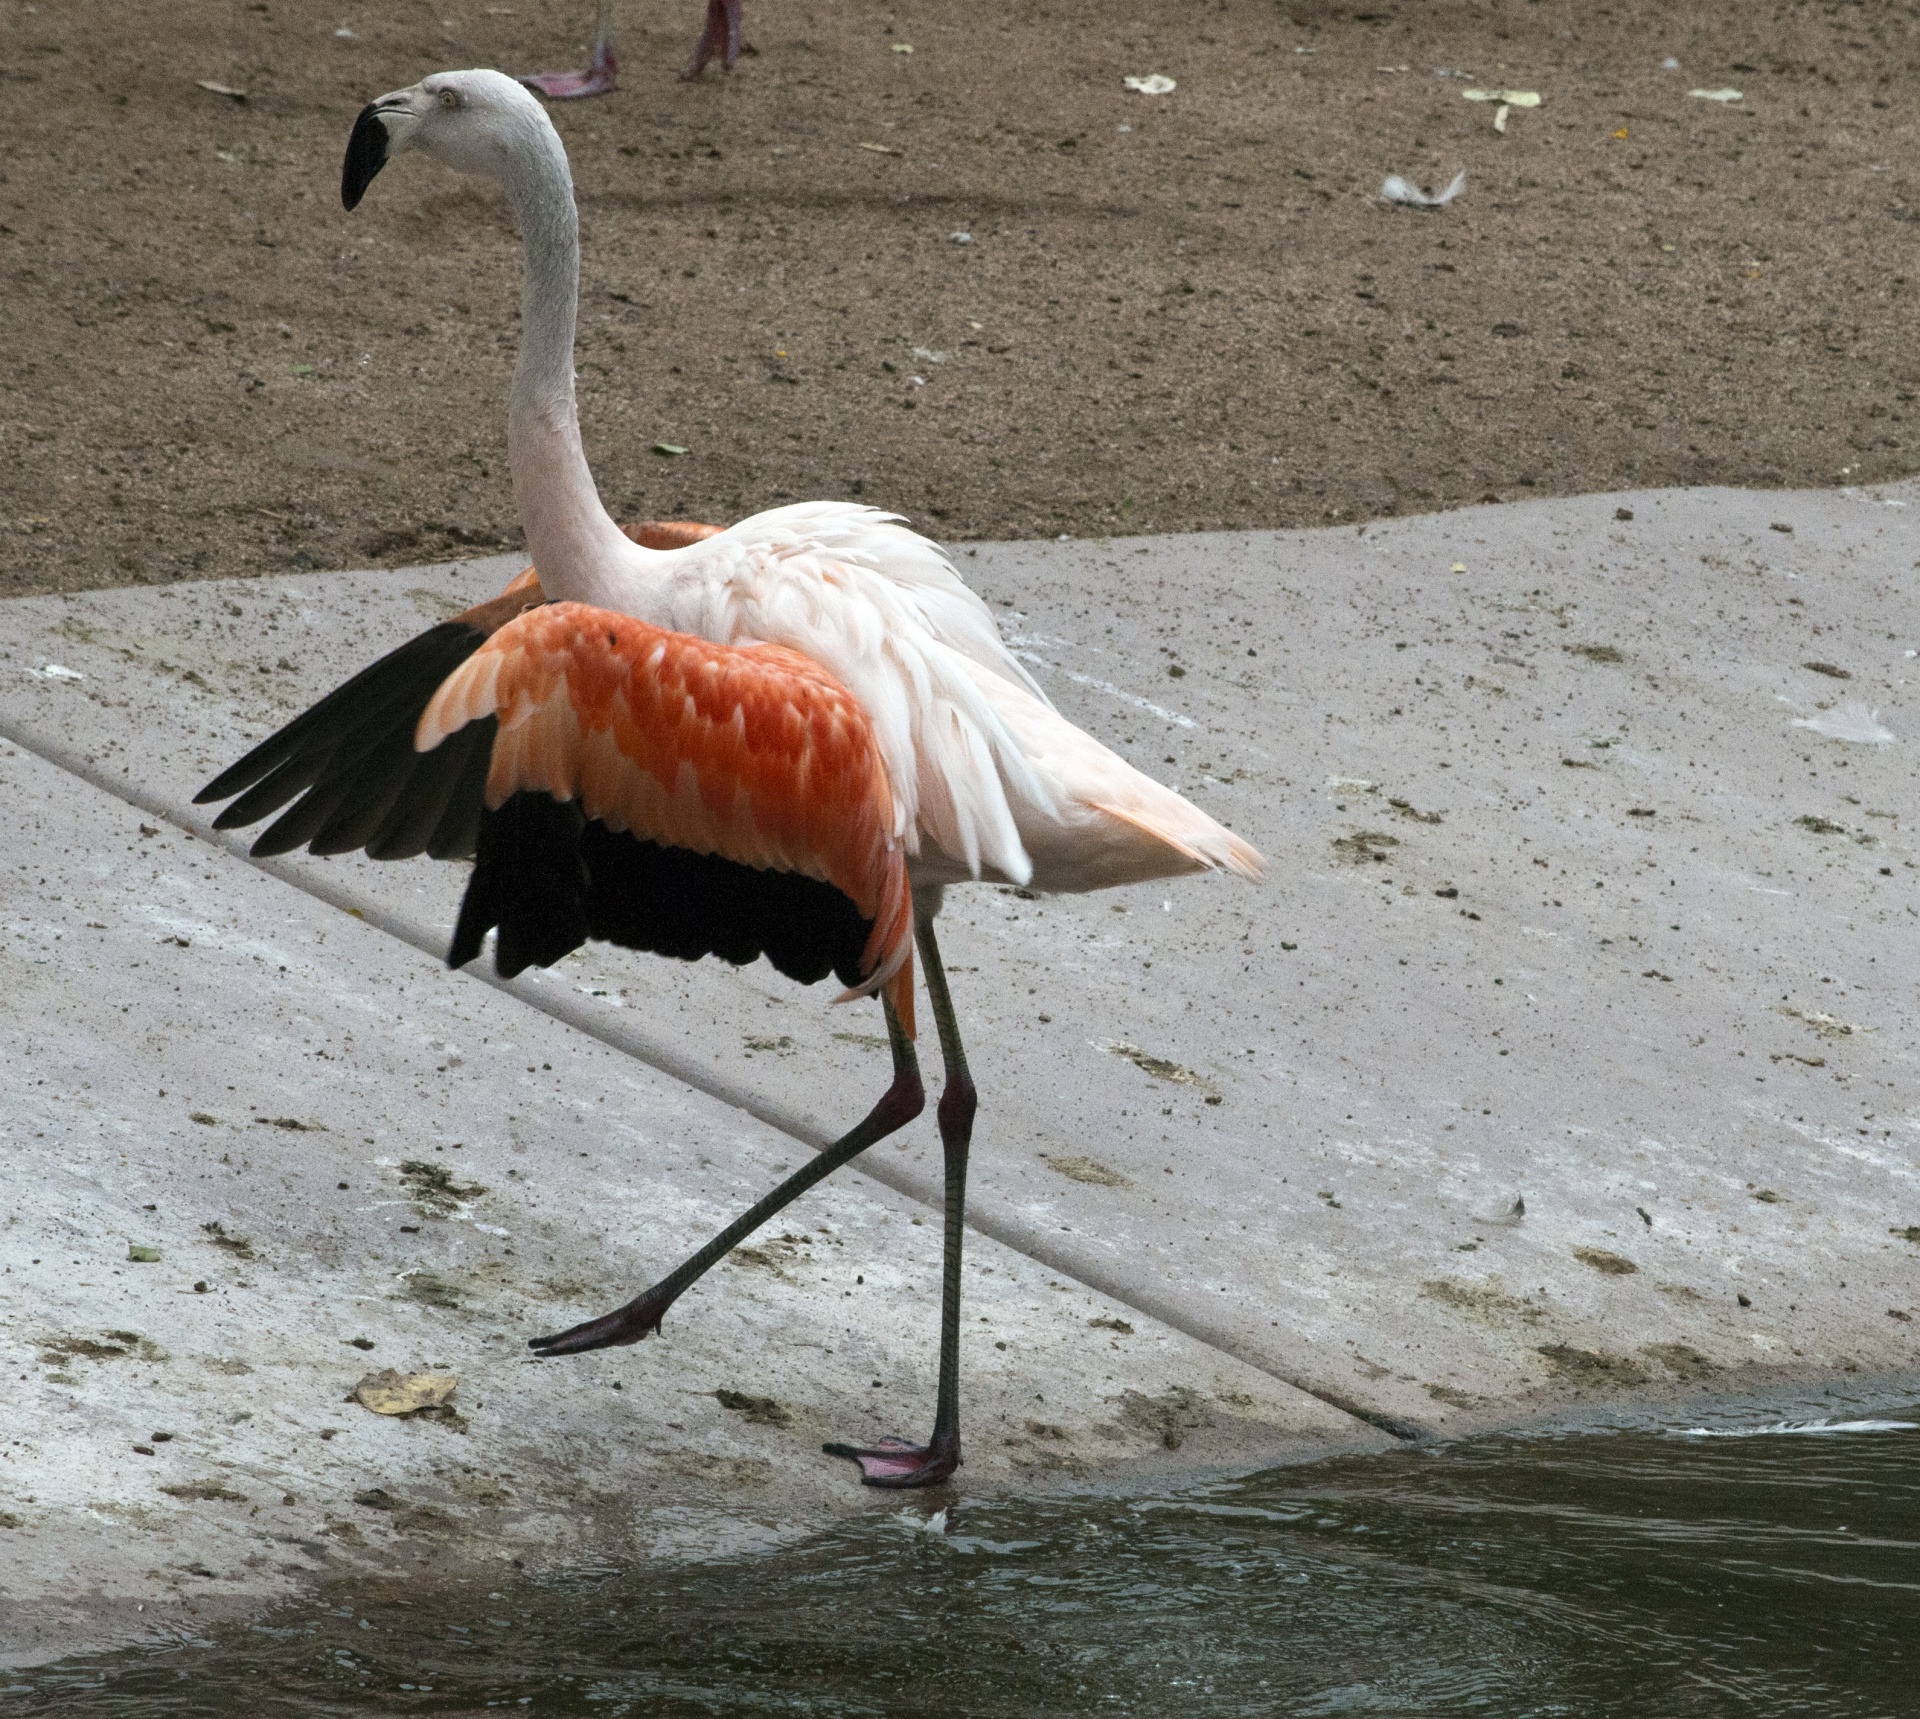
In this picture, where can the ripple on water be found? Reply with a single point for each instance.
(1701, 1571)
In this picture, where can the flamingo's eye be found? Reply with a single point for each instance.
(449, 99)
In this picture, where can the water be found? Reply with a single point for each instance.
(1762, 1571)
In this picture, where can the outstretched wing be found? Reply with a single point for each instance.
(752, 754)
(349, 762)
(883, 610)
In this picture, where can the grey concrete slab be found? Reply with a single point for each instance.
(1676, 977)
(342, 1158)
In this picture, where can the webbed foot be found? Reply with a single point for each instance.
(894, 1462)
(639, 1318)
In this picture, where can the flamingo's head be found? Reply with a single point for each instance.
(471, 121)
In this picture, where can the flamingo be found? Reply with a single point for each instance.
(722, 36)
(786, 738)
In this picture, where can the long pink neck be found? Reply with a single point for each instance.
(576, 545)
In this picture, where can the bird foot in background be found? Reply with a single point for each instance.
(896, 1463)
(721, 36)
(597, 79)
(639, 1318)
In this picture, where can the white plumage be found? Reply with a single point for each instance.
(884, 611)
(990, 781)
(987, 779)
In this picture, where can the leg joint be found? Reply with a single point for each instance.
(958, 1102)
(902, 1101)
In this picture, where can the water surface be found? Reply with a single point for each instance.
(1736, 1570)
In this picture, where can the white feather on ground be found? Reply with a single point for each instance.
(1394, 189)
(1854, 722)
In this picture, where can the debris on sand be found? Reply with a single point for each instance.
(1157, 1066)
(204, 1492)
(1152, 84)
(1826, 1025)
(1173, 1414)
(1089, 1170)
(1589, 1368)
(1365, 845)
(764, 1411)
(433, 1190)
(216, 1233)
(1508, 100)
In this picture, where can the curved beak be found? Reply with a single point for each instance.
(384, 128)
(366, 155)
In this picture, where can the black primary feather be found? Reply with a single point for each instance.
(550, 878)
(546, 877)
(349, 766)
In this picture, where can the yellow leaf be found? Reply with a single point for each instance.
(388, 1392)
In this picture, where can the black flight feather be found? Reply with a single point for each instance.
(546, 878)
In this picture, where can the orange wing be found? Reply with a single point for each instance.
(754, 753)
(670, 533)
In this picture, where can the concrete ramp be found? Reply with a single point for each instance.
(1566, 1061)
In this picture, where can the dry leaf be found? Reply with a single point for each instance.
(388, 1392)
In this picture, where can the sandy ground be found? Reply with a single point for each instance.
(1173, 312)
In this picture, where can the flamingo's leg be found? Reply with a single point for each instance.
(893, 1461)
(597, 79)
(899, 1105)
(721, 36)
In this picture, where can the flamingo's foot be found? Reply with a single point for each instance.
(896, 1463)
(721, 36)
(597, 79)
(639, 1318)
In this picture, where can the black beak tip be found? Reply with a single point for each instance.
(366, 155)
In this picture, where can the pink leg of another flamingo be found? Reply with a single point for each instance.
(721, 36)
(597, 79)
